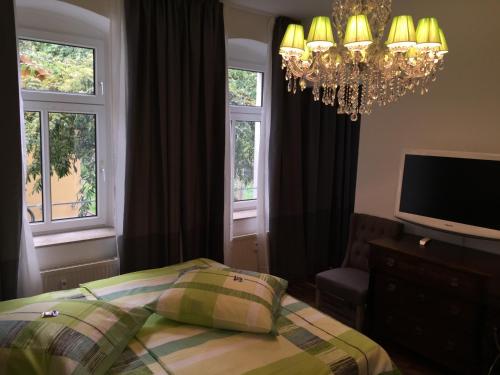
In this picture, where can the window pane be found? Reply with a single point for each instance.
(72, 140)
(245, 88)
(246, 146)
(34, 180)
(56, 67)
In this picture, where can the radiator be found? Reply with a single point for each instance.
(73, 276)
(244, 253)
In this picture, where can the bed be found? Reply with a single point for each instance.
(308, 342)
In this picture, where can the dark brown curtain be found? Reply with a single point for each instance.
(174, 205)
(11, 188)
(313, 156)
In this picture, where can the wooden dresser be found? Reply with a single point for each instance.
(492, 327)
(441, 301)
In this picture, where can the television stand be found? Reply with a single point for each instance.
(441, 301)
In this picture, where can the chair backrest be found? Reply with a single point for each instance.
(365, 228)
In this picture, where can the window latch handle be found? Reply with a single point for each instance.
(103, 172)
(101, 84)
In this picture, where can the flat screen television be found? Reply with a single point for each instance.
(451, 191)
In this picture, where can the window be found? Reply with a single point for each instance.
(245, 153)
(245, 88)
(56, 67)
(245, 100)
(64, 106)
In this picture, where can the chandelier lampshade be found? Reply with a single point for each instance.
(428, 33)
(320, 36)
(358, 35)
(402, 34)
(444, 46)
(348, 63)
(293, 42)
(307, 52)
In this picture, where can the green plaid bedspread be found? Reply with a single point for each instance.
(308, 342)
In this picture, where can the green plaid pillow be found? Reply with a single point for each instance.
(86, 337)
(224, 298)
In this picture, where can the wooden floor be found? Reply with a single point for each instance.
(407, 362)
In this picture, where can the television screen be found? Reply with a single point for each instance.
(453, 189)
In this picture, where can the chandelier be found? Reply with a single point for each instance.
(357, 68)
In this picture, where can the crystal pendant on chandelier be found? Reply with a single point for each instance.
(357, 68)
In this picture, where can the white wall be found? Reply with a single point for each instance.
(246, 24)
(102, 7)
(247, 52)
(61, 17)
(51, 257)
(461, 111)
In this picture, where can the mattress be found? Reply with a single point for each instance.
(308, 341)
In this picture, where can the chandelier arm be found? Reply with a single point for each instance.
(299, 70)
(295, 68)
(380, 14)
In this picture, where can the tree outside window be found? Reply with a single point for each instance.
(245, 100)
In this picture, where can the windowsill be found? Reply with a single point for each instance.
(46, 240)
(246, 214)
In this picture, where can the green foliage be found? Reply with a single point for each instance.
(57, 68)
(244, 150)
(71, 140)
(242, 87)
(33, 146)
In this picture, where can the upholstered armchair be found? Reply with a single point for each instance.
(342, 292)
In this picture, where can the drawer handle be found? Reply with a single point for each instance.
(454, 283)
(390, 262)
(455, 310)
(421, 297)
(391, 287)
(450, 346)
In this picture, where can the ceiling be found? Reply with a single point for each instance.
(300, 9)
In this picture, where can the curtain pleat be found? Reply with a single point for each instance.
(118, 111)
(312, 167)
(174, 205)
(263, 167)
(10, 153)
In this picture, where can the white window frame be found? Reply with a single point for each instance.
(99, 97)
(246, 113)
(45, 102)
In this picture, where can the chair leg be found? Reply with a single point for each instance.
(360, 314)
(317, 298)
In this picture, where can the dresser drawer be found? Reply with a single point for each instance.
(391, 324)
(386, 261)
(491, 329)
(453, 281)
(440, 278)
(440, 301)
(425, 303)
(453, 348)
(490, 350)
(454, 351)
